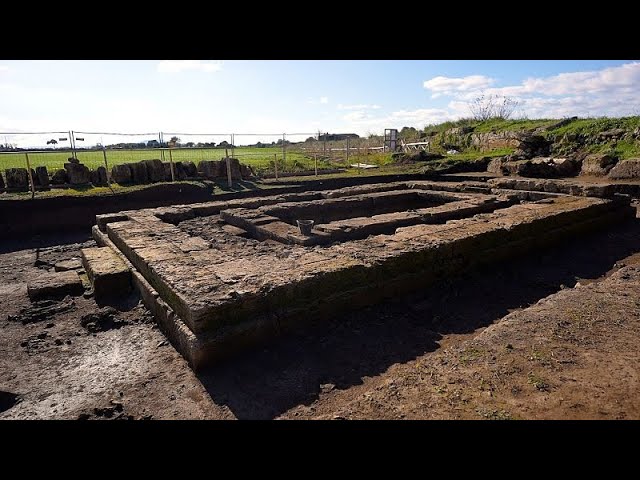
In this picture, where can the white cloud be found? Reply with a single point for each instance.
(318, 101)
(176, 66)
(356, 116)
(613, 91)
(358, 107)
(359, 120)
(449, 85)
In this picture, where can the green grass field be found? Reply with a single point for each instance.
(261, 159)
(256, 157)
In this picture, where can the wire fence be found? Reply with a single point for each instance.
(268, 154)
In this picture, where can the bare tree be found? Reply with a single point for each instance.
(482, 107)
(506, 108)
(485, 107)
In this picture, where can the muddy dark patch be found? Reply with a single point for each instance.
(102, 320)
(42, 310)
(7, 400)
(115, 411)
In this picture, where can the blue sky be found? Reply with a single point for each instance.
(298, 96)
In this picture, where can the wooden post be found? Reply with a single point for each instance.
(233, 146)
(275, 165)
(161, 141)
(284, 152)
(33, 187)
(106, 166)
(229, 179)
(173, 175)
(315, 161)
(347, 152)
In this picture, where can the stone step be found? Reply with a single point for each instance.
(109, 275)
(55, 285)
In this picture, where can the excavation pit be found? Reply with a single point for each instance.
(222, 275)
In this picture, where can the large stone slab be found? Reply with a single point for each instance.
(78, 173)
(626, 170)
(155, 170)
(109, 275)
(139, 172)
(17, 179)
(55, 285)
(60, 177)
(211, 169)
(66, 265)
(597, 164)
(121, 173)
(43, 176)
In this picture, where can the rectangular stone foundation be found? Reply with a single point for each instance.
(215, 296)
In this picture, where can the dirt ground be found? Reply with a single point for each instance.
(553, 335)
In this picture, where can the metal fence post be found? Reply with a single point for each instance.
(229, 179)
(347, 151)
(173, 176)
(275, 165)
(233, 146)
(106, 166)
(284, 152)
(161, 141)
(315, 161)
(33, 187)
(72, 142)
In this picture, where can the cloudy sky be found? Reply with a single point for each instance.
(205, 96)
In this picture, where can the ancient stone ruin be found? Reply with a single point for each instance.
(75, 173)
(225, 274)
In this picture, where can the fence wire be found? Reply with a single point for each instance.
(268, 154)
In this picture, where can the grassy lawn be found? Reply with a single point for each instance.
(260, 158)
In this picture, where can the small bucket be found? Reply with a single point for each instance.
(305, 226)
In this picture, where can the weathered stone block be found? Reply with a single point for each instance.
(109, 275)
(78, 174)
(99, 177)
(190, 169)
(210, 169)
(55, 285)
(626, 169)
(139, 173)
(246, 171)
(43, 176)
(495, 166)
(102, 220)
(236, 173)
(59, 177)
(597, 164)
(121, 173)
(66, 265)
(155, 170)
(180, 171)
(17, 179)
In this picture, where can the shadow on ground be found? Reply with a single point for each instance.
(264, 383)
(43, 241)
